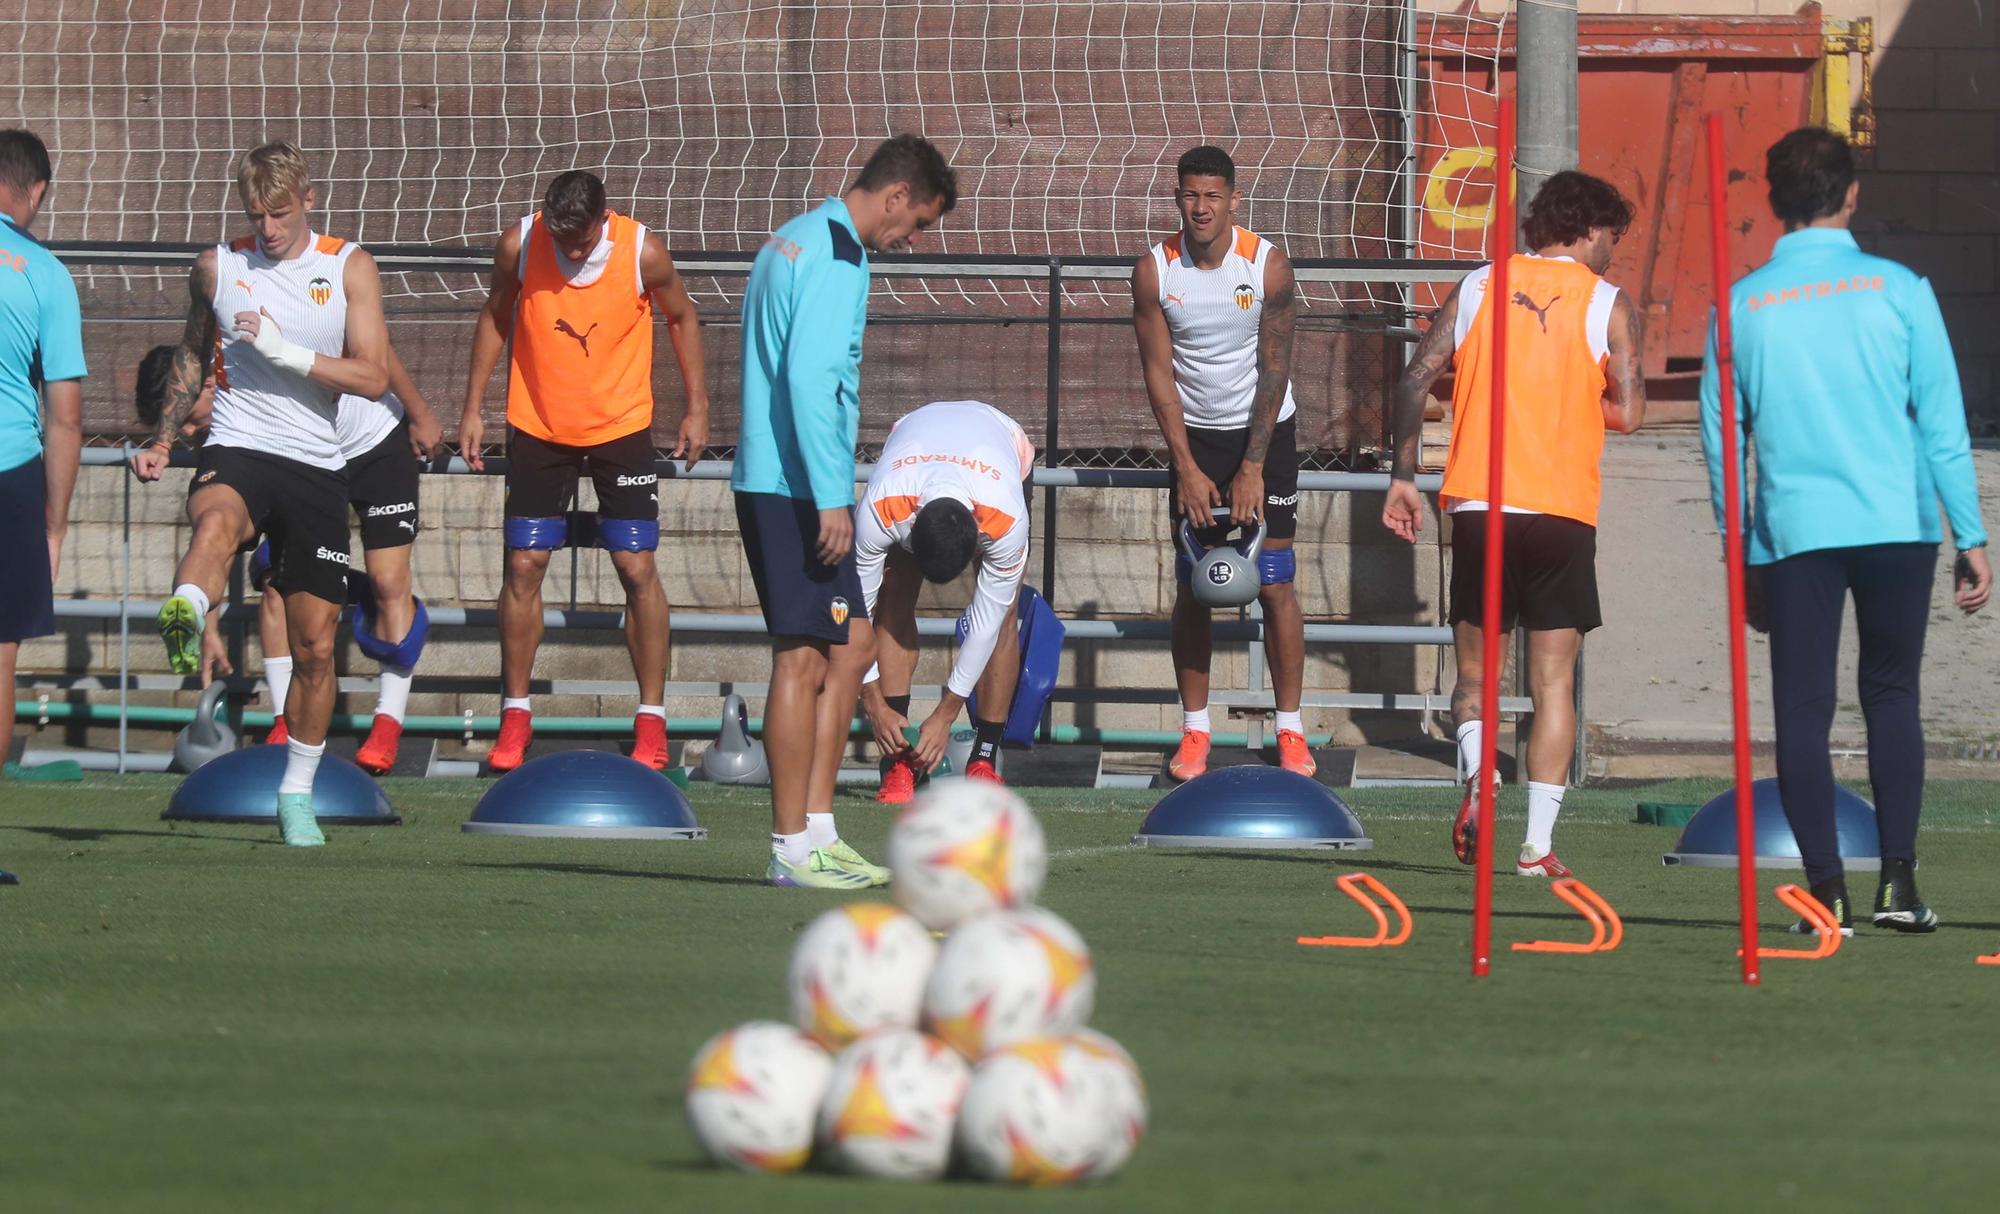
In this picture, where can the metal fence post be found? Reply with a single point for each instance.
(1051, 434)
(125, 625)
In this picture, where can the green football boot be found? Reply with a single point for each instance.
(820, 871)
(296, 822)
(856, 862)
(180, 628)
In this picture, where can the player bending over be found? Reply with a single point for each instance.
(948, 488)
(1573, 369)
(1214, 306)
(380, 440)
(571, 302)
(292, 320)
(803, 316)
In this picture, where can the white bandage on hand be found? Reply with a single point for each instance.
(270, 341)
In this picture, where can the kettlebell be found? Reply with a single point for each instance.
(735, 757)
(204, 738)
(1225, 575)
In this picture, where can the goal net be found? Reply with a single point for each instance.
(712, 121)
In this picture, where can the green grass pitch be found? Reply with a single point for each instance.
(194, 1018)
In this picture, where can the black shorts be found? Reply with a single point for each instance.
(300, 509)
(1548, 578)
(382, 488)
(800, 595)
(542, 476)
(28, 608)
(1219, 453)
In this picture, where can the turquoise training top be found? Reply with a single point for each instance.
(1846, 384)
(803, 314)
(41, 338)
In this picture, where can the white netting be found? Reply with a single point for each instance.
(715, 120)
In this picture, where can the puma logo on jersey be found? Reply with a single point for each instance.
(245, 286)
(1177, 301)
(582, 339)
(1541, 312)
(407, 525)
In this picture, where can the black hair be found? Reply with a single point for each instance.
(575, 201)
(1569, 205)
(915, 161)
(944, 539)
(1809, 171)
(24, 159)
(1205, 161)
(151, 394)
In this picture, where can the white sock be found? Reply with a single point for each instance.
(1545, 801)
(1294, 721)
(792, 849)
(392, 696)
(278, 677)
(820, 830)
(1470, 735)
(301, 765)
(193, 594)
(1196, 720)
(653, 710)
(520, 702)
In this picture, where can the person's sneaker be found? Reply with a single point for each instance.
(55, 771)
(1293, 754)
(899, 782)
(980, 769)
(820, 871)
(854, 861)
(649, 740)
(1544, 864)
(280, 732)
(296, 822)
(1191, 759)
(1897, 903)
(1465, 827)
(180, 628)
(1833, 896)
(517, 729)
(378, 754)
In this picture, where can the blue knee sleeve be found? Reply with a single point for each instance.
(260, 563)
(536, 534)
(628, 534)
(400, 653)
(1276, 566)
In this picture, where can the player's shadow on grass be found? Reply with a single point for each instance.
(94, 834)
(1328, 859)
(599, 870)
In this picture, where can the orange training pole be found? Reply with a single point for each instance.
(1732, 509)
(1490, 641)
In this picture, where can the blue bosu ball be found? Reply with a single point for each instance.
(1709, 838)
(1252, 807)
(585, 794)
(242, 786)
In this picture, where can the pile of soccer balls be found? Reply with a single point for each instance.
(977, 1044)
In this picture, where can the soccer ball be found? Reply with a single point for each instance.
(859, 968)
(1042, 1112)
(1127, 1092)
(965, 847)
(1008, 977)
(752, 1094)
(891, 1105)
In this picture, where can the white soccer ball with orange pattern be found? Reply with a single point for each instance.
(1042, 1112)
(1127, 1092)
(859, 968)
(965, 847)
(753, 1095)
(1009, 977)
(891, 1105)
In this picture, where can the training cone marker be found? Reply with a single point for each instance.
(1353, 886)
(1826, 929)
(1607, 931)
(753, 1096)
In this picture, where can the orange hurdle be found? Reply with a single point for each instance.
(1351, 886)
(1607, 930)
(1988, 959)
(1812, 911)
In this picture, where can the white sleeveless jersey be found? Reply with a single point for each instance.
(362, 424)
(1213, 316)
(258, 406)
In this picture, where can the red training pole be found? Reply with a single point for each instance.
(1732, 531)
(1496, 539)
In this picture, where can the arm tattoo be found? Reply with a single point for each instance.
(190, 366)
(1433, 353)
(1274, 368)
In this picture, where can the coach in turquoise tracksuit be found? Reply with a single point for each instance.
(41, 411)
(1846, 386)
(803, 315)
